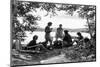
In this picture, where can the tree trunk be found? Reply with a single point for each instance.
(90, 31)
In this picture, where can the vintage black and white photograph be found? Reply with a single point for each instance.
(52, 33)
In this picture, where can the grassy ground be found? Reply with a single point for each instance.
(74, 54)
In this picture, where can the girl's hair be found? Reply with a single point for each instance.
(60, 24)
(35, 37)
(49, 23)
(65, 31)
(78, 33)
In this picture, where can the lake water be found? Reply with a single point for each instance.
(42, 34)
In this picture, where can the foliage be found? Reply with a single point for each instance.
(21, 9)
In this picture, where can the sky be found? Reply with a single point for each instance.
(72, 22)
(66, 21)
